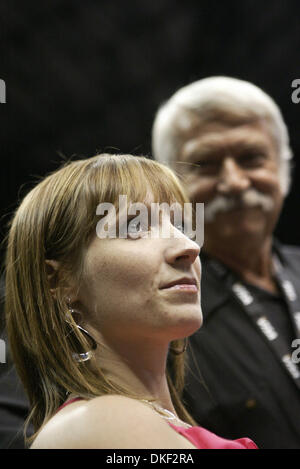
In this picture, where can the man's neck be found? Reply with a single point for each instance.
(252, 262)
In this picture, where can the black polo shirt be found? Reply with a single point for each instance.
(235, 384)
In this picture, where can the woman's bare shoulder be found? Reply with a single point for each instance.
(107, 422)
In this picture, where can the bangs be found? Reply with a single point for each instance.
(136, 177)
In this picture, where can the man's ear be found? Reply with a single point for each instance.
(52, 270)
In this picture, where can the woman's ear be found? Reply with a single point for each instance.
(56, 280)
(52, 270)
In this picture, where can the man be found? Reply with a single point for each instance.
(227, 140)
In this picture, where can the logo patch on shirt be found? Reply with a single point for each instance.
(291, 367)
(289, 290)
(267, 328)
(242, 293)
(297, 320)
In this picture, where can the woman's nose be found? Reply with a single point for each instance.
(182, 250)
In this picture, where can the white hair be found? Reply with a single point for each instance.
(221, 99)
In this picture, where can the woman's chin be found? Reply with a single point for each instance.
(188, 325)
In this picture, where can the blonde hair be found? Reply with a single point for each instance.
(56, 220)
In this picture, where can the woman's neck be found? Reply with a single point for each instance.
(139, 368)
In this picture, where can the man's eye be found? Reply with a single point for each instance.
(252, 159)
(206, 165)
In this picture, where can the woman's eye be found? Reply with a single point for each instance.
(136, 229)
(186, 229)
(179, 226)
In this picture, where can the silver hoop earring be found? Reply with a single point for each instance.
(82, 356)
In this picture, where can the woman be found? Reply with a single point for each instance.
(92, 320)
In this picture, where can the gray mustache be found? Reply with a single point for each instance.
(250, 198)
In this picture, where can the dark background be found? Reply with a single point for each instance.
(87, 76)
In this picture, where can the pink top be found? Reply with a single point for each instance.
(199, 437)
(204, 439)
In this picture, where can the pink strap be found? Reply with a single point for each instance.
(69, 402)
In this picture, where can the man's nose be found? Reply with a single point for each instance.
(232, 178)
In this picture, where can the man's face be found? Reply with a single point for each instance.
(234, 171)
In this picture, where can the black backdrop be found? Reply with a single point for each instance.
(87, 76)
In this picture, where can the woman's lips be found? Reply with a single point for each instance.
(184, 288)
(180, 282)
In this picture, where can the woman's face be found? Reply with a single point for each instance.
(123, 291)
